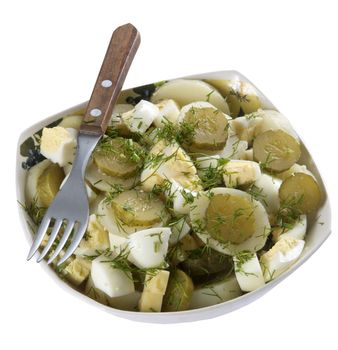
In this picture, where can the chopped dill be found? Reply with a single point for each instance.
(156, 246)
(240, 259)
(114, 191)
(266, 164)
(252, 116)
(209, 94)
(213, 293)
(188, 197)
(180, 133)
(213, 175)
(239, 96)
(257, 194)
(112, 132)
(34, 211)
(159, 235)
(289, 212)
(123, 149)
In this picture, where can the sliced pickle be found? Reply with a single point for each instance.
(116, 123)
(300, 192)
(119, 127)
(241, 96)
(49, 183)
(112, 158)
(210, 128)
(179, 292)
(138, 208)
(176, 254)
(230, 219)
(189, 243)
(206, 261)
(276, 150)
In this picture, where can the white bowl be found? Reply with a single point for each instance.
(316, 234)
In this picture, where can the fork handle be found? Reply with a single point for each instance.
(120, 53)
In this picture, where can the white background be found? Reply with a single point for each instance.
(50, 54)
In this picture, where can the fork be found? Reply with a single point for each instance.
(70, 208)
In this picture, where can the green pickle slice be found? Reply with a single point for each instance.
(49, 183)
(112, 158)
(138, 208)
(300, 192)
(230, 219)
(276, 150)
(179, 292)
(210, 128)
(241, 96)
(202, 262)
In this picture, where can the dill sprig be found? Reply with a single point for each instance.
(121, 262)
(239, 96)
(154, 161)
(257, 194)
(212, 292)
(188, 197)
(176, 254)
(114, 191)
(98, 252)
(180, 133)
(112, 132)
(251, 116)
(164, 190)
(243, 257)
(209, 94)
(265, 166)
(126, 149)
(289, 212)
(240, 259)
(200, 252)
(213, 175)
(34, 211)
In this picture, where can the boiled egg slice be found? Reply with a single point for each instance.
(229, 220)
(148, 248)
(280, 257)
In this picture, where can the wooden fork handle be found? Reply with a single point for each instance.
(120, 53)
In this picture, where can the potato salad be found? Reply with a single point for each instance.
(197, 195)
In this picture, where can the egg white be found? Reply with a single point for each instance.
(148, 248)
(215, 293)
(141, 117)
(281, 257)
(112, 281)
(298, 231)
(249, 275)
(185, 91)
(168, 111)
(268, 195)
(179, 229)
(253, 244)
(33, 175)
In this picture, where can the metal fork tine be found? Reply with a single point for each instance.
(75, 242)
(55, 231)
(63, 240)
(39, 236)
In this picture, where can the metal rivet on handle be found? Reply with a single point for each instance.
(95, 112)
(107, 83)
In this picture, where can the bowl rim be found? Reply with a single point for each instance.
(178, 316)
